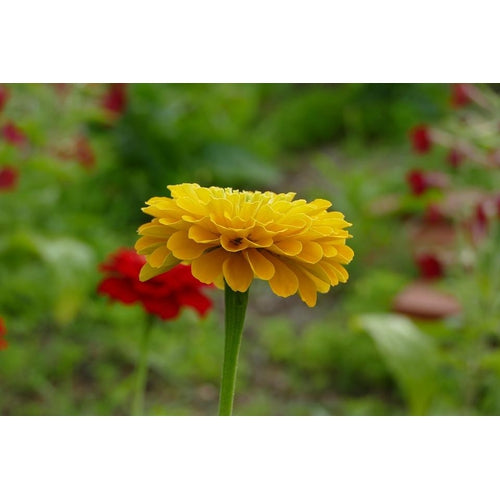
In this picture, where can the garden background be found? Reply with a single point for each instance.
(414, 167)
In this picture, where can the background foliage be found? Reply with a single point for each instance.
(89, 156)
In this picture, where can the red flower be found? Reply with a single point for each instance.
(162, 296)
(115, 100)
(13, 134)
(460, 94)
(3, 332)
(84, 154)
(420, 139)
(8, 178)
(455, 157)
(4, 96)
(430, 266)
(420, 181)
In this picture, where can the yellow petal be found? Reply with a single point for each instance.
(287, 247)
(262, 267)
(313, 269)
(219, 282)
(148, 272)
(208, 267)
(192, 205)
(184, 189)
(312, 252)
(332, 275)
(307, 289)
(184, 248)
(329, 250)
(345, 254)
(284, 281)
(155, 229)
(321, 204)
(158, 256)
(237, 272)
(146, 244)
(260, 236)
(202, 235)
(341, 272)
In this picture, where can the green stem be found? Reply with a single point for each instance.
(236, 305)
(142, 368)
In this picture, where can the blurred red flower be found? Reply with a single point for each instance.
(13, 134)
(420, 138)
(8, 178)
(455, 157)
(162, 296)
(84, 154)
(420, 181)
(3, 332)
(115, 99)
(460, 94)
(4, 96)
(430, 266)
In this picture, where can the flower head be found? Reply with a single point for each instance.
(115, 100)
(3, 332)
(8, 178)
(13, 134)
(236, 236)
(421, 140)
(163, 296)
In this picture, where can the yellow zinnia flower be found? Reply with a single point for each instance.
(236, 236)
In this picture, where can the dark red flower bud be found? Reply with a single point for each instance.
(430, 266)
(420, 139)
(420, 181)
(13, 134)
(115, 99)
(8, 178)
(460, 94)
(455, 157)
(4, 96)
(3, 332)
(481, 215)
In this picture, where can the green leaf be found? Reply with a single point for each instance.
(410, 355)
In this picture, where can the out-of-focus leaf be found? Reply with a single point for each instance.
(71, 261)
(65, 254)
(410, 355)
